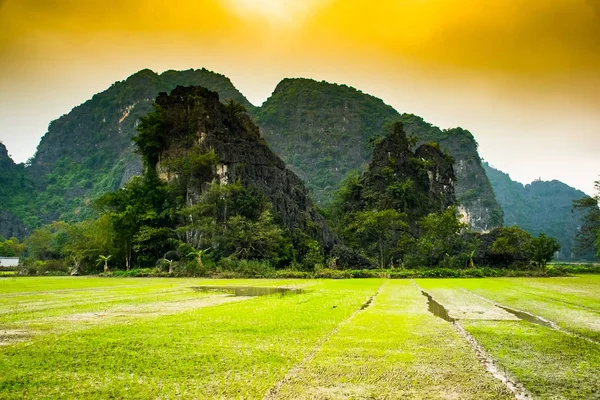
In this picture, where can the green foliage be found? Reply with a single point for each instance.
(588, 236)
(235, 221)
(11, 247)
(142, 215)
(440, 242)
(546, 207)
(376, 232)
(542, 249)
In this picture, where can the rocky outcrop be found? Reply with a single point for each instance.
(16, 196)
(416, 183)
(322, 131)
(242, 155)
(12, 226)
(89, 151)
(474, 194)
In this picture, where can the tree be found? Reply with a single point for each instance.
(441, 241)
(11, 247)
(377, 232)
(104, 259)
(511, 245)
(588, 237)
(142, 215)
(197, 254)
(542, 249)
(234, 110)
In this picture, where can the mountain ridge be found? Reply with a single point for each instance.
(98, 156)
(529, 206)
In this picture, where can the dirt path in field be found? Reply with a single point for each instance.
(273, 392)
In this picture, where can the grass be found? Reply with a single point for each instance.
(394, 349)
(549, 363)
(83, 337)
(237, 350)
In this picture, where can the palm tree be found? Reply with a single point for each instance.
(198, 255)
(104, 259)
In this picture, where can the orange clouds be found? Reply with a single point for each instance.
(516, 36)
(511, 36)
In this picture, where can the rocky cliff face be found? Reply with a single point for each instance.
(16, 190)
(89, 151)
(416, 183)
(322, 131)
(242, 155)
(12, 226)
(474, 193)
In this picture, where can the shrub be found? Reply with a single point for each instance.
(326, 273)
(291, 274)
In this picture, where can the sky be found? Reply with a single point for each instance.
(522, 75)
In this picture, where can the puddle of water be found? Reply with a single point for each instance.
(247, 291)
(525, 316)
(436, 308)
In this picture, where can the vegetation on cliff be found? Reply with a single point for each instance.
(542, 207)
(588, 236)
(88, 152)
(323, 132)
(401, 212)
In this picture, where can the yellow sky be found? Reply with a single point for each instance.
(511, 71)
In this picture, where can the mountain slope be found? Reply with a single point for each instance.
(478, 204)
(539, 207)
(89, 151)
(16, 189)
(323, 130)
(194, 124)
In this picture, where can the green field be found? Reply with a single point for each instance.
(87, 337)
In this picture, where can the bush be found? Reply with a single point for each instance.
(48, 267)
(369, 273)
(326, 273)
(246, 268)
(292, 274)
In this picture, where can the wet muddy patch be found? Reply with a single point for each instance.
(247, 291)
(525, 316)
(485, 360)
(436, 308)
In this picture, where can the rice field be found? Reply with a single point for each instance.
(99, 338)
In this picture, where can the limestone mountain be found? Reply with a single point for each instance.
(193, 124)
(89, 151)
(474, 193)
(539, 207)
(320, 130)
(415, 183)
(15, 190)
(323, 130)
